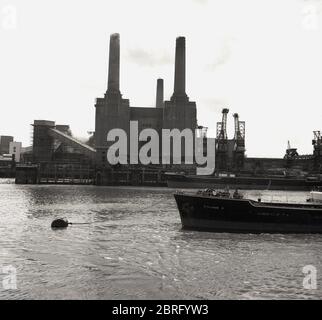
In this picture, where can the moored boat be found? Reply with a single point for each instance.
(210, 211)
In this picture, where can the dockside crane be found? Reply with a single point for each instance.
(290, 152)
(317, 152)
(239, 131)
(239, 143)
(222, 142)
(222, 126)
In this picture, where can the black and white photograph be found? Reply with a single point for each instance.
(160, 151)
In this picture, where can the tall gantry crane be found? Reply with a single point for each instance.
(317, 152)
(239, 143)
(222, 126)
(239, 130)
(222, 142)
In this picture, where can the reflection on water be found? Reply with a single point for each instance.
(134, 248)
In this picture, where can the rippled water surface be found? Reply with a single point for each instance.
(134, 248)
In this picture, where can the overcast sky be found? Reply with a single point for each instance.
(261, 59)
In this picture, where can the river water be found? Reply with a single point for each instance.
(133, 248)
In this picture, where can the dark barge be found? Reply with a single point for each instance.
(207, 212)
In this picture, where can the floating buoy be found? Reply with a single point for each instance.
(60, 223)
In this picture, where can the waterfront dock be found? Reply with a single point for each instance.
(86, 175)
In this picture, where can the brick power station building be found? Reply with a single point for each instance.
(113, 111)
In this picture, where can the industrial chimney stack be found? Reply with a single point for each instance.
(180, 68)
(160, 94)
(114, 64)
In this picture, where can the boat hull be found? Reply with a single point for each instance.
(246, 216)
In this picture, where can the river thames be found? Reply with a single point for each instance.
(133, 247)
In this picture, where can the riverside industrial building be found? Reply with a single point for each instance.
(54, 144)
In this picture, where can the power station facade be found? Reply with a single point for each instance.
(114, 112)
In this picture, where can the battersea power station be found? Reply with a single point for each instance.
(56, 156)
(113, 111)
